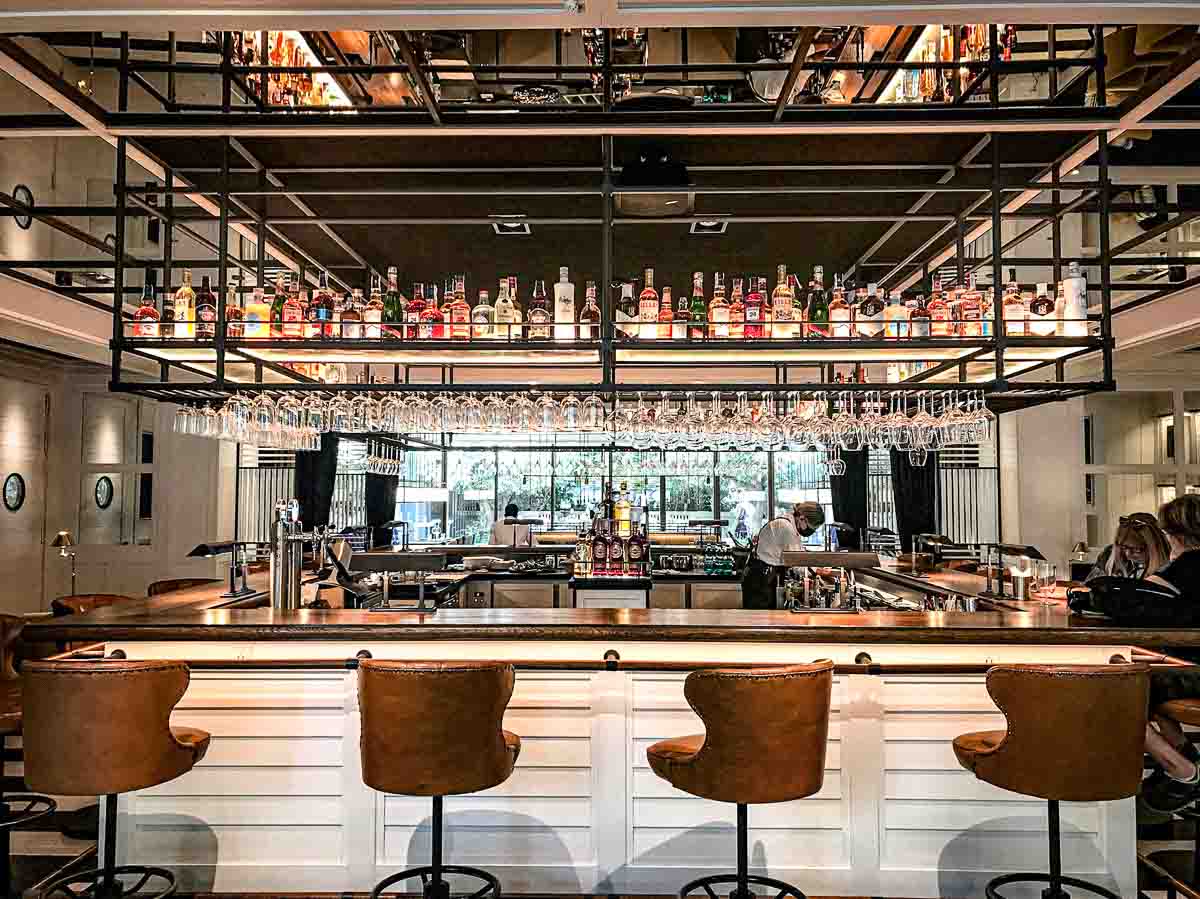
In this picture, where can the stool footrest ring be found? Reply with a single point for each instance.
(35, 806)
(707, 883)
(95, 889)
(1007, 879)
(441, 890)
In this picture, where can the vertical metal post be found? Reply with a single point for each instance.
(123, 78)
(118, 331)
(222, 260)
(237, 498)
(1052, 53)
(1055, 850)
(743, 853)
(1056, 223)
(1099, 64)
(226, 71)
(606, 100)
(437, 843)
(1105, 259)
(961, 249)
(994, 68)
(172, 58)
(261, 233)
(110, 847)
(999, 332)
(607, 317)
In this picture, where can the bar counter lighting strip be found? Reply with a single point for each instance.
(830, 422)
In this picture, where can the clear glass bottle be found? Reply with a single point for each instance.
(372, 312)
(539, 313)
(234, 324)
(185, 309)
(698, 312)
(970, 309)
(564, 307)
(896, 318)
(919, 319)
(518, 329)
(352, 315)
(737, 311)
(460, 312)
(483, 318)
(755, 300)
(869, 317)
(1015, 323)
(504, 312)
(627, 313)
(819, 314)
(146, 319)
(1041, 314)
(1075, 307)
(433, 320)
(841, 319)
(292, 319)
(278, 299)
(941, 320)
(683, 313)
(781, 306)
(718, 309)
(589, 315)
(648, 307)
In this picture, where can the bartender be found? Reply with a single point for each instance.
(765, 568)
(508, 531)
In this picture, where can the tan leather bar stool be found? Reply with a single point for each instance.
(16, 809)
(765, 731)
(1075, 733)
(434, 729)
(100, 729)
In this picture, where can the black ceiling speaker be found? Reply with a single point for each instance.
(654, 166)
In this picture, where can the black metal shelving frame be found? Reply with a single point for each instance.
(242, 113)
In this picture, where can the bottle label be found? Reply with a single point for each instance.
(206, 321)
(146, 327)
(373, 327)
(753, 314)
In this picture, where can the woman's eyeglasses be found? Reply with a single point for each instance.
(1136, 523)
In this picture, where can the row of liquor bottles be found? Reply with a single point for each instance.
(615, 545)
(793, 312)
(290, 313)
(790, 312)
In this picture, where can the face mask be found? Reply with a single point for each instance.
(806, 531)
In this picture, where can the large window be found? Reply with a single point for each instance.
(743, 477)
(579, 477)
(421, 496)
(523, 477)
(471, 484)
(799, 477)
(688, 488)
(640, 472)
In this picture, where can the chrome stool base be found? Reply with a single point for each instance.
(32, 806)
(1050, 892)
(741, 890)
(105, 883)
(437, 888)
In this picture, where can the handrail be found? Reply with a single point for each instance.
(91, 651)
(1180, 887)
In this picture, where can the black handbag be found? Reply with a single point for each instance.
(1135, 602)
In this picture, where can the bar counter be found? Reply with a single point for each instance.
(278, 805)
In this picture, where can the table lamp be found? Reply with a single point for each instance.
(1080, 551)
(237, 560)
(63, 543)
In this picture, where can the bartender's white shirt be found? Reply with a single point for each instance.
(777, 537)
(508, 533)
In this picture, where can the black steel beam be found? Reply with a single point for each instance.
(418, 74)
(803, 43)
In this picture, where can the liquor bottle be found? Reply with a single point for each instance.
(1074, 302)
(679, 326)
(698, 313)
(504, 312)
(432, 322)
(623, 512)
(666, 315)
(600, 545)
(185, 309)
(518, 328)
(372, 313)
(395, 307)
(781, 306)
(320, 310)
(637, 551)
(819, 321)
(589, 315)
(564, 306)
(258, 315)
(616, 554)
(987, 314)
(737, 311)
(539, 313)
(206, 311)
(648, 307)
(941, 323)
(352, 315)
(460, 311)
(583, 553)
(1059, 309)
(1041, 314)
(754, 311)
(718, 309)
(919, 319)
(483, 317)
(146, 319)
(626, 312)
(970, 309)
(869, 319)
(1014, 308)
(447, 299)
(166, 322)
(234, 324)
(413, 312)
(799, 307)
(896, 319)
(841, 319)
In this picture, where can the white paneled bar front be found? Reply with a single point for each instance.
(278, 804)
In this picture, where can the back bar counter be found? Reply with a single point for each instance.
(279, 804)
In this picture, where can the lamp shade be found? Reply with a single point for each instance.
(1080, 547)
(62, 539)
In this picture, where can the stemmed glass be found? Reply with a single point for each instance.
(472, 412)
(569, 412)
(592, 414)
(263, 424)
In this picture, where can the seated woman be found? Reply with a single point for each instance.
(1178, 783)
(1139, 548)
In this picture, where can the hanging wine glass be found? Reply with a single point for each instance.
(496, 418)
(592, 414)
(569, 412)
(917, 457)
(263, 423)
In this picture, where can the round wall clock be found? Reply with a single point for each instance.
(104, 492)
(14, 492)
(23, 195)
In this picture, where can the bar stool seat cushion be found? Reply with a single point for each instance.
(192, 738)
(10, 707)
(969, 747)
(1185, 711)
(765, 735)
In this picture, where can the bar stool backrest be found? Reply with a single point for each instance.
(433, 728)
(10, 630)
(82, 603)
(100, 727)
(1076, 733)
(765, 732)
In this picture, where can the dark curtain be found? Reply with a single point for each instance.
(850, 498)
(315, 473)
(381, 506)
(915, 495)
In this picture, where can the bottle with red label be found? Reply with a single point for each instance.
(206, 311)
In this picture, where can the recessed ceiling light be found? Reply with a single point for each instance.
(709, 226)
(510, 225)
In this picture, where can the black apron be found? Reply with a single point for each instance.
(759, 581)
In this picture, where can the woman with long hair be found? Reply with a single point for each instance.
(1139, 549)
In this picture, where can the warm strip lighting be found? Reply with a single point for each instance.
(931, 32)
(333, 90)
